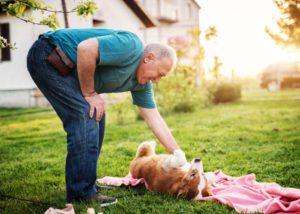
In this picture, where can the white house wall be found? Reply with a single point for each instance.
(165, 30)
(117, 15)
(13, 73)
(16, 85)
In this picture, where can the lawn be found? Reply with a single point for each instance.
(259, 134)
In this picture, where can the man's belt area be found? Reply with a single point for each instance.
(59, 60)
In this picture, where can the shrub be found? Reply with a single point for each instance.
(122, 106)
(224, 92)
(177, 92)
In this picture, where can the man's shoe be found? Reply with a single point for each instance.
(100, 188)
(103, 200)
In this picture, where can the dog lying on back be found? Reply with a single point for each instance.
(170, 173)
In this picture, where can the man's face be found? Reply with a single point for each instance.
(152, 68)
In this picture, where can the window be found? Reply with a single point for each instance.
(188, 11)
(168, 10)
(4, 32)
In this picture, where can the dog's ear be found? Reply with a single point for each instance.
(182, 191)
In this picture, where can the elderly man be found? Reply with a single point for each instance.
(107, 61)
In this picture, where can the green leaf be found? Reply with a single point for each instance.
(22, 8)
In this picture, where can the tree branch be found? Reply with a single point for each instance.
(25, 20)
(45, 9)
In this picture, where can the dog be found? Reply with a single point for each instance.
(170, 173)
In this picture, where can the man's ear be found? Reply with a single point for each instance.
(149, 57)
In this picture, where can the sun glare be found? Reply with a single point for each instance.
(242, 43)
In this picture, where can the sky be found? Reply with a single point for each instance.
(242, 43)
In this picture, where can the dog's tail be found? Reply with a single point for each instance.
(146, 148)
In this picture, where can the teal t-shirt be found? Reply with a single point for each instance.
(120, 54)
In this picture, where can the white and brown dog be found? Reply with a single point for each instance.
(170, 173)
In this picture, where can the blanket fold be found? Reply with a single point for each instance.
(244, 194)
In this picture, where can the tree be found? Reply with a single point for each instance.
(181, 45)
(216, 69)
(210, 33)
(199, 51)
(17, 9)
(288, 23)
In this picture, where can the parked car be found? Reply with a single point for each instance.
(281, 75)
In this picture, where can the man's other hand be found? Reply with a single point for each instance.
(96, 103)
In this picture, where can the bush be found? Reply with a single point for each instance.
(177, 92)
(224, 92)
(122, 106)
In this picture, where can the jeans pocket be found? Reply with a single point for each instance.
(36, 60)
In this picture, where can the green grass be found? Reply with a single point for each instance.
(259, 134)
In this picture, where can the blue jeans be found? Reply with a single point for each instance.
(84, 135)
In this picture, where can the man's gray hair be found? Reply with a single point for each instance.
(162, 51)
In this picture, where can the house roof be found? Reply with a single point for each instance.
(197, 4)
(138, 9)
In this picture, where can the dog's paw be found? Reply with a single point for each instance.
(178, 159)
(175, 160)
(186, 167)
(210, 176)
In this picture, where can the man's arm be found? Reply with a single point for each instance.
(159, 128)
(87, 57)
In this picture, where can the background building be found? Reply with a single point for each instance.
(173, 18)
(152, 20)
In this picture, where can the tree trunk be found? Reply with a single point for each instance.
(66, 16)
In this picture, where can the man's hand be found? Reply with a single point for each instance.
(159, 128)
(96, 103)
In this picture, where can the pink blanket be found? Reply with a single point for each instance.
(68, 210)
(244, 193)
